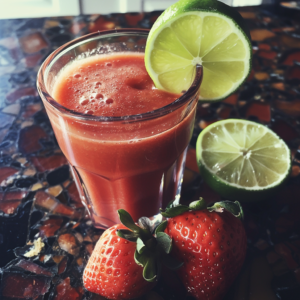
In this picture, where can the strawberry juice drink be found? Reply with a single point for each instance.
(124, 139)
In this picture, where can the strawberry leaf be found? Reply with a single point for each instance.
(233, 207)
(164, 241)
(127, 235)
(198, 205)
(150, 270)
(140, 258)
(161, 227)
(174, 211)
(127, 221)
(140, 246)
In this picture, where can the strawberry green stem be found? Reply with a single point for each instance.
(153, 245)
(233, 207)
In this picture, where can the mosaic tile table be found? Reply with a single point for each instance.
(38, 197)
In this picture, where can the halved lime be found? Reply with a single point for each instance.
(242, 160)
(205, 32)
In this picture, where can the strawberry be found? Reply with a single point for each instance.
(212, 244)
(125, 263)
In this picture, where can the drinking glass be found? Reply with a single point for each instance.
(131, 162)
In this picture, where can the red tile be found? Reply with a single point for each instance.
(13, 195)
(203, 123)
(32, 60)
(293, 73)
(133, 19)
(232, 99)
(289, 58)
(31, 109)
(5, 172)
(284, 130)
(50, 226)
(278, 86)
(77, 27)
(33, 268)
(261, 34)
(295, 171)
(29, 139)
(33, 43)
(64, 288)
(43, 164)
(260, 110)
(153, 19)
(28, 287)
(19, 93)
(286, 252)
(69, 243)
(62, 265)
(101, 24)
(73, 192)
(267, 54)
(224, 112)
(266, 47)
(203, 111)
(291, 108)
(9, 207)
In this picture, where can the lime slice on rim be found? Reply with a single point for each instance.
(205, 32)
(242, 160)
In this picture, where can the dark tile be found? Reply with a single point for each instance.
(29, 139)
(59, 175)
(25, 182)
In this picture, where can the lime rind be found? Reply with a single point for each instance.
(240, 159)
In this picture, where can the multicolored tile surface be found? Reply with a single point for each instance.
(38, 197)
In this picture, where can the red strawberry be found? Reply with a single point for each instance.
(211, 243)
(111, 270)
(125, 263)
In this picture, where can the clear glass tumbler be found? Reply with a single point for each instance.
(132, 162)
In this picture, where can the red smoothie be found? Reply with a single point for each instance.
(135, 164)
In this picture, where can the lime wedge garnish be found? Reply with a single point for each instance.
(242, 160)
(205, 32)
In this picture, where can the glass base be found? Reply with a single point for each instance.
(140, 195)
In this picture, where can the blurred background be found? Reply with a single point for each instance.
(45, 8)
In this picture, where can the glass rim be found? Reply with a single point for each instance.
(194, 88)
